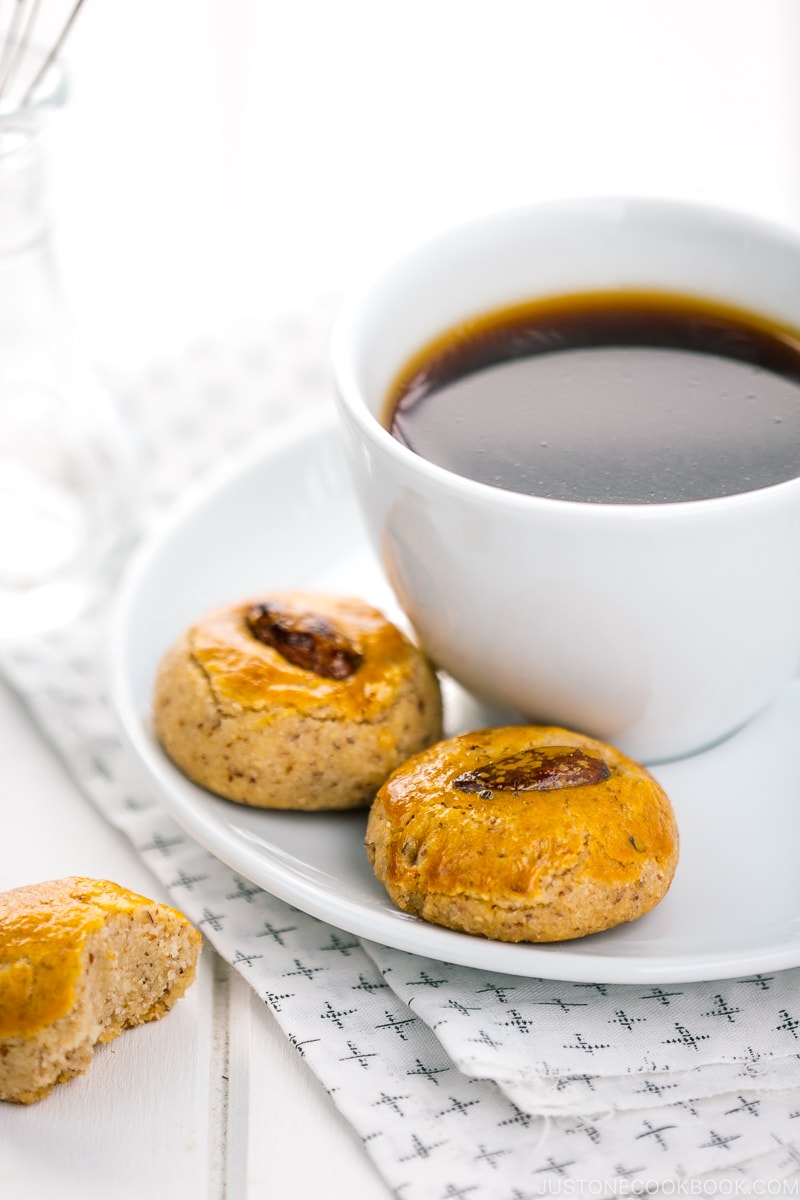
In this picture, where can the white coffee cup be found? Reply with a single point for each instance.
(661, 628)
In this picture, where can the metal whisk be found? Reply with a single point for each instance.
(16, 40)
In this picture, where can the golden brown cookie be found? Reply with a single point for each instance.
(524, 834)
(81, 960)
(295, 700)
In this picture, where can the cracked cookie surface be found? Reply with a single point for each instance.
(247, 722)
(526, 833)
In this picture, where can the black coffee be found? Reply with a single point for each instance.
(608, 398)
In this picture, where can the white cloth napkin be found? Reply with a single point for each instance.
(461, 1083)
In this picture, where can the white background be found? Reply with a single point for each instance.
(224, 159)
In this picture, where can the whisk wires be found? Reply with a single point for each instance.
(17, 41)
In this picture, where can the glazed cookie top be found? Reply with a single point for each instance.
(506, 811)
(43, 930)
(304, 650)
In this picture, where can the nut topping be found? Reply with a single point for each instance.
(540, 769)
(305, 640)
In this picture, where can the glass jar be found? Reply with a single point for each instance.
(66, 473)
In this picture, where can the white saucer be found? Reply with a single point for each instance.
(285, 517)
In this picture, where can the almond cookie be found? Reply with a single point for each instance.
(524, 834)
(81, 960)
(295, 700)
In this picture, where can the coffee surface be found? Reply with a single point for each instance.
(609, 399)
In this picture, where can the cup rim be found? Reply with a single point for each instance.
(351, 402)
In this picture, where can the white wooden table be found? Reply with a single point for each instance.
(210, 1103)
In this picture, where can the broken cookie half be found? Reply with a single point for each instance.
(80, 961)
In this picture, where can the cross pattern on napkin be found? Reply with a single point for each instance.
(461, 1083)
